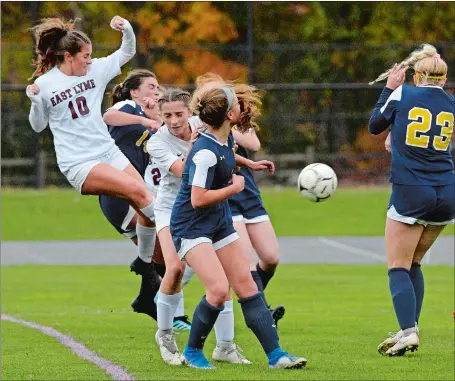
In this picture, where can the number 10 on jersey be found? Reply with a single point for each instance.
(81, 104)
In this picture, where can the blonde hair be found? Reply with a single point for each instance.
(426, 62)
(249, 97)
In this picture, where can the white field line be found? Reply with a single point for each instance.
(115, 371)
(352, 249)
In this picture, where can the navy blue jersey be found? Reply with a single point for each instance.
(210, 165)
(248, 202)
(422, 124)
(132, 139)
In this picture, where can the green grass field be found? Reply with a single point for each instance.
(65, 215)
(336, 316)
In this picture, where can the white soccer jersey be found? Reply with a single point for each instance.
(165, 149)
(72, 105)
(152, 177)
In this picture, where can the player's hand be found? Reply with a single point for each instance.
(151, 123)
(262, 165)
(149, 103)
(387, 145)
(397, 76)
(238, 182)
(118, 23)
(194, 136)
(32, 90)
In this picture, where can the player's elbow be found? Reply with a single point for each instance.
(197, 201)
(255, 146)
(109, 117)
(377, 125)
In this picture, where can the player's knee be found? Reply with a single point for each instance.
(271, 259)
(140, 194)
(175, 269)
(244, 285)
(218, 293)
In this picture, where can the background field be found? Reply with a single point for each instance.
(336, 316)
(65, 215)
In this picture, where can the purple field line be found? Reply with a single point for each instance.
(79, 349)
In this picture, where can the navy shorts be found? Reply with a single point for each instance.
(218, 239)
(424, 204)
(119, 213)
(248, 210)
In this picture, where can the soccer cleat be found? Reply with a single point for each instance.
(150, 284)
(277, 313)
(147, 270)
(182, 323)
(195, 358)
(228, 351)
(168, 348)
(146, 306)
(409, 341)
(393, 339)
(280, 359)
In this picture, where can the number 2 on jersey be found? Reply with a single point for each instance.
(421, 123)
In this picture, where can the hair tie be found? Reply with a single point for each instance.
(436, 55)
(121, 85)
(230, 97)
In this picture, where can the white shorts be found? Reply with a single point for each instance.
(255, 220)
(188, 244)
(162, 219)
(77, 174)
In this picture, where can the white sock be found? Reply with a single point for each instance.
(145, 242)
(187, 275)
(166, 306)
(180, 311)
(149, 211)
(224, 325)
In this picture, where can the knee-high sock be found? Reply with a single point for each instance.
(403, 297)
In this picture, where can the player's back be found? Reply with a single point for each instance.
(421, 135)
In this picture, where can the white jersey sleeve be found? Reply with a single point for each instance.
(159, 150)
(39, 115)
(109, 67)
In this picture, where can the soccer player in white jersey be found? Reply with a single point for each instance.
(132, 119)
(67, 95)
(169, 147)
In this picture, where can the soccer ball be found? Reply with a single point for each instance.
(317, 182)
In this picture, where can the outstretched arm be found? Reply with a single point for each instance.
(128, 48)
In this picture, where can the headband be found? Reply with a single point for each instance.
(230, 97)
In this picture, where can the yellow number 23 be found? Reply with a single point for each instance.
(421, 123)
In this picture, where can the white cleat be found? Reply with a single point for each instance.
(228, 351)
(168, 348)
(397, 344)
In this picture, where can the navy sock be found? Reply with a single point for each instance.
(160, 269)
(258, 281)
(419, 287)
(264, 275)
(204, 319)
(259, 319)
(403, 296)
